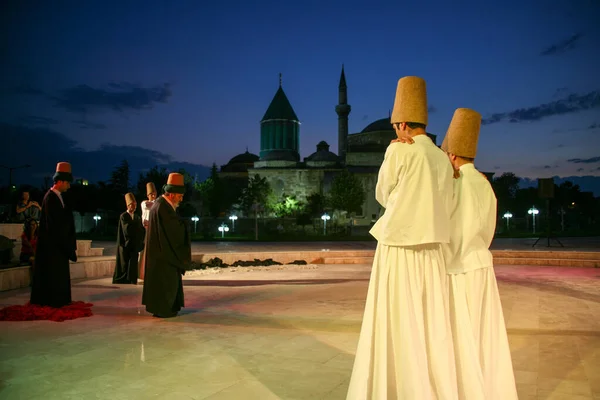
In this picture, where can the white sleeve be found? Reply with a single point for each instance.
(388, 174)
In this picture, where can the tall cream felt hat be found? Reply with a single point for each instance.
(175, 183)
(129, 198)
(463, 133)
(150, 188)
(411, 101)
(63, 172)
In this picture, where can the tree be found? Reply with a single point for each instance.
(287, 206)
(156, 175)
(255, 199)
(211, 192)
(505, 187)
(119, 178)
(256, 195)
(347, 193)
(315, 205)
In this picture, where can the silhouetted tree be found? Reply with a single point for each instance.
(119, 178)
(347, 193)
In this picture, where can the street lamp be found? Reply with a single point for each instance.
(507, 216)
(325, 217)
(233, 218)
(533, 212)
(223, 228)
(96, 219)
(195, 219)
(10, 170)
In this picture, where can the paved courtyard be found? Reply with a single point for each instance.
(283, 333)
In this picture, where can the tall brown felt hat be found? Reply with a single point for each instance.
(129, 198)
(175, 184)
(463, 133)
(63, 172)
(411, 101)
(150, 188)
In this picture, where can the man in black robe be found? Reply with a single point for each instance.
(51, 283)
(130, 241)
(168, 254)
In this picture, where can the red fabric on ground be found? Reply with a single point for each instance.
(33, 312)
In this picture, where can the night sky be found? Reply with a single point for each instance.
(185, 84)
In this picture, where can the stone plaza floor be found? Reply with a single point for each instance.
(283, 333)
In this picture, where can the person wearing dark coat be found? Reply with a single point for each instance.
(51, 283)
(168, 252)
(130, 241)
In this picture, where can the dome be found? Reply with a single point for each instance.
(382, 124)
(244, 158)
(322, 154)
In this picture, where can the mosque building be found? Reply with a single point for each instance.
(279, 160)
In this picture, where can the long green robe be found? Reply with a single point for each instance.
(168, 255)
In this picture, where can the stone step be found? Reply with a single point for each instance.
(567, 254)
(347, 260)
(96, 252)
(548, 262)
(501, 257)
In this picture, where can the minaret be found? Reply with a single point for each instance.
(342, 110)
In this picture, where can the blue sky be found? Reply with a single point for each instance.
(183, 83)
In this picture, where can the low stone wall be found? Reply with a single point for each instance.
(14, 278)
(13, 232)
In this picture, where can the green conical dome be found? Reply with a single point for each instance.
(280, 108)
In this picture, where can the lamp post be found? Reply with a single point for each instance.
(325, 217)
(233, 218)
(96, 219)
(195, 219)
(10, 170)
(533, 212)
(223, 228)
(507, 215)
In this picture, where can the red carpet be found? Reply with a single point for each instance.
(32, 312)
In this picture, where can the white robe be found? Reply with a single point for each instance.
(483, 361)
(405, 346)
(146, 206)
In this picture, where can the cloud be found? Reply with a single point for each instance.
(560, 92)
(567, 105)
(42, 148)
(37, 120)
(584, 160)
(563, 46)
(89, 125)
(120, 97)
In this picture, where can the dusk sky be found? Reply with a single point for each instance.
(182, 83)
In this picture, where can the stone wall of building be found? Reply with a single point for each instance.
(292, 182)
(364, 159)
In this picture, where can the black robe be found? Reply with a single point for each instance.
(130, 241)
(51, 283)
(168, 255)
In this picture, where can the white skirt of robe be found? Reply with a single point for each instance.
(483, 362)
(405, 346)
